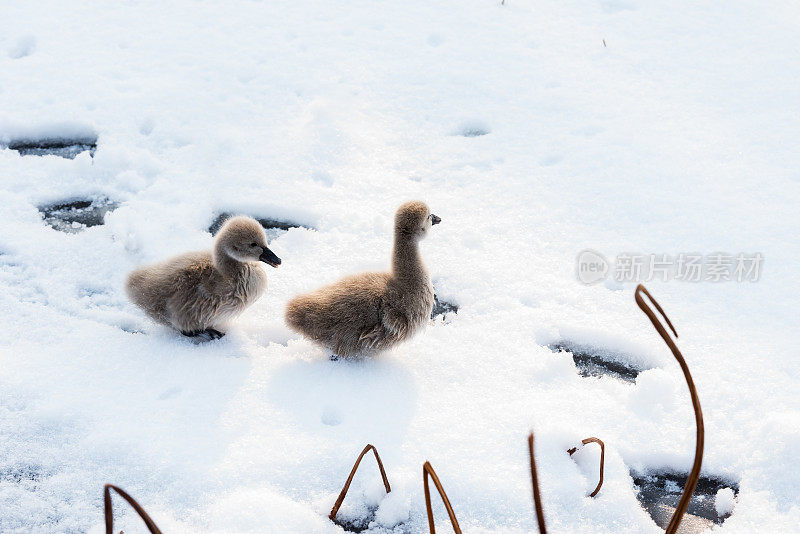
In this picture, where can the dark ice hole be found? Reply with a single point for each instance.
(57, 146)
(473, 132)
(21, 472)
(356, 524)
(659, 493)
(272, 226)
(131, 329)
(361, 524)
(442, 307)
(592, 362)
(77, 215)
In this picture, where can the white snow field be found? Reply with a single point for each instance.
(529, 137)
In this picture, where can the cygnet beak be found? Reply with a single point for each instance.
(435, 219)
(269, 257)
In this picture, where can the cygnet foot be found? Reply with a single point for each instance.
(209, 334)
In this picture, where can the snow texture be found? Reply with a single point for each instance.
(535, 130)
(724, 501)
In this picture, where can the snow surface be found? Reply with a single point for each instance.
(724, 501)
(530, 138)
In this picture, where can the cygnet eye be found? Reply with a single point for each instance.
(254, 244)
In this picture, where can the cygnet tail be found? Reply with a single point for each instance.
(297, 315)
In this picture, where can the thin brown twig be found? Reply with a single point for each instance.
(537, 498)
(109, 513)
(694, 475)
(602, 460)
(346, 487)
(427, 469)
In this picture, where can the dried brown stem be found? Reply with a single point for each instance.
(694, 475)
(537, 498)
(602, 460)
(427, 469)
(151, 526)
(346, 487)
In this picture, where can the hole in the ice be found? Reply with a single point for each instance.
(363, 519)
(18, 473)
(360, 515)
(77, 215)
(355, 517)
(442, 308)
(659, 493)
(65, 147)
(131, 329)
(356, 524)
(473, 130)
(273, 226)
(596, 362)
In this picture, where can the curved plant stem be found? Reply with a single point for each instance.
(694, 475)
(427, 469)
(346, 487)
(109, 512)
(602, 460)
(537, 498)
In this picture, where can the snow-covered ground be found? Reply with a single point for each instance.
(534, 129)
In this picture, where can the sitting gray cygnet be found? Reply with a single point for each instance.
(197, 293)
(363, 314)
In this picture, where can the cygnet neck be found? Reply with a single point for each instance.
(224, 263)
(406, 261)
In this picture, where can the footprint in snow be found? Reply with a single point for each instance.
(24, 46)
(170, 393)
(331, 416)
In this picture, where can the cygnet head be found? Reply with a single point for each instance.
(243, 239)
(414, 219)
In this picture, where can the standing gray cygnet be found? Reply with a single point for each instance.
(366, 313)
(198, 292)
